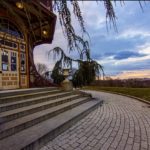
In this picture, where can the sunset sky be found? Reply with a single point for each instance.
(123, 54)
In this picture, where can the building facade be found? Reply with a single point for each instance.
(23, 25)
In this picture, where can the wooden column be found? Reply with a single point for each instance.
(27, 60)
(0, 68)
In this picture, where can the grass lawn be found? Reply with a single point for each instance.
(143, 93)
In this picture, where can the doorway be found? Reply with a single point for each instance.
(13, 56)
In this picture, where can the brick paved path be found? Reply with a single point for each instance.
(121, 123)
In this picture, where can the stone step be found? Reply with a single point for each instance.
(14, 98)
(16, 92)
(14, 126)
(32, 101)
(23, 111)
(36, 136)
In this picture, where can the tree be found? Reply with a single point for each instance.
(57, 73)
(75, 42)
(87, 68)
(86, 72)
(64, 16)
(41, 68)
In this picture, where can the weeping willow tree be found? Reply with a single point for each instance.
(62, 7)
(64, 15)
(86, 72)
(88, 69)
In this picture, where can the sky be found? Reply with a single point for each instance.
(123, 54)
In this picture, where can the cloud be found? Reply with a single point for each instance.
(40, 56)
(127, 54)
(133, 74)
(127, 50)
(144, 55)
(133, 33)
(115, 66)
(144, 49)
(93, 14)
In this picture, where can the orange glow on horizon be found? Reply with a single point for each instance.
(133, 74)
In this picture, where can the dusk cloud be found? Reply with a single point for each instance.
(125, 50)
(127, 54)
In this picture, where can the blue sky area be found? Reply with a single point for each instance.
(121, 53)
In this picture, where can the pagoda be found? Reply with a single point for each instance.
(24, 24)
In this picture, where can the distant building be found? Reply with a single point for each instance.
(24, 25)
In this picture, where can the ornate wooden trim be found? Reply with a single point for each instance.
(38, 80)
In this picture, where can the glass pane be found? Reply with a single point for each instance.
(5, 67)
(22, 47)
(13, 61)
(8, 43)
(11, 29)
(23, 62)
(13, 67)
(5, 58)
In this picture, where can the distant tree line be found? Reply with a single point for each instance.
(134, 83)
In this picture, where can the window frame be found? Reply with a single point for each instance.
(3, 61)
(10, 28)
(13, 55)
(23, 58)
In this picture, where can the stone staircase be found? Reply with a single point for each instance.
(31, 118)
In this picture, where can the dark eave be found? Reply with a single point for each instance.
(47, 20)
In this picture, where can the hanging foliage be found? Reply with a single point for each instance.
(57, 73)
(66, 23)
(86, 73)
(64, 15)
(75, 42)
(88, 68)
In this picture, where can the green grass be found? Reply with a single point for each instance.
(143, 93)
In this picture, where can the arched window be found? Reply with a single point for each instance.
(8, 27)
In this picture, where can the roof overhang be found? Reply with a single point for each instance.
(34, 18)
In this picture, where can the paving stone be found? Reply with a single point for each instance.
(128, 147)
(69, 148)
(75, 145)
(144, 144)
(93, 142)
(84, 144)
(98, 146)
(121, 123)
(130, 140)
(110, 148)
(137, 139)
(136, 146)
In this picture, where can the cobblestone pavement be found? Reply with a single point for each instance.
(121, 123)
